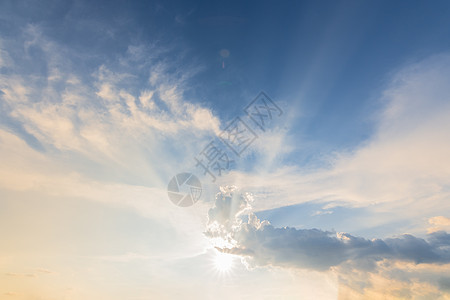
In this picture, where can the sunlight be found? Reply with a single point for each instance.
(223, 262)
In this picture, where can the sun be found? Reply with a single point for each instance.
(223, 262)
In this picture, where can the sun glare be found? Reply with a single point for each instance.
(223, 262)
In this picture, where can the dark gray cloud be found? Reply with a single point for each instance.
(263, 244)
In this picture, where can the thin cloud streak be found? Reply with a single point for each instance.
(403, 164)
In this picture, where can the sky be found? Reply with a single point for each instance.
(308, 142)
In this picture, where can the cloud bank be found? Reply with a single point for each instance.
(263, 244)
(361, 264)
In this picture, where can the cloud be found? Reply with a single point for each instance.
(127, 257)
(403, 164)
(10, 294)
(20, 275)
(398, 279)
(73, 112)
(104, 133)
(30, 275)
(404, 266)
(5, 59)
(45, 271)
(113, 120)
(439, 223)
(263, 244)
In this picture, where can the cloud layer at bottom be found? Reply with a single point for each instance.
(261, 244)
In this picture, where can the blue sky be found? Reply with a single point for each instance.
(343, 196)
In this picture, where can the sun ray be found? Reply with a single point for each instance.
(223, 262)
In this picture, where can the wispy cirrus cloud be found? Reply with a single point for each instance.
(403, 164)
(112, 133)
(112, 115)
(400, 173)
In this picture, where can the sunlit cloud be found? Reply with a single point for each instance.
(262, 245)
(101, 104)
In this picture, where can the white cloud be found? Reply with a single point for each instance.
(102, 123)
(264, 244)
(105, 117)
(403, 168)
(358, 262)
(146, 99)
(102, 137)
(5, 59)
